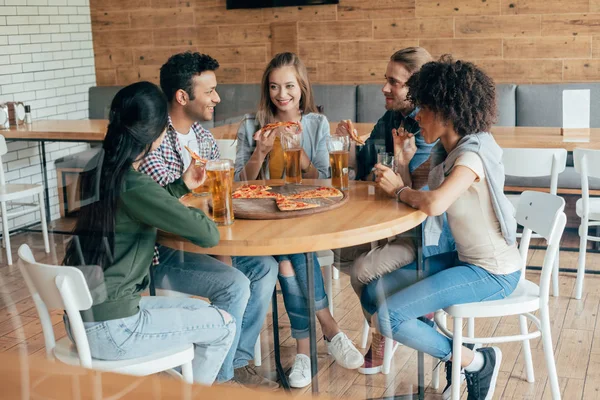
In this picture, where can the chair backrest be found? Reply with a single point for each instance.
(227, 148)
(587, 164)
(542, 213)
(535, 163)
(57, 287)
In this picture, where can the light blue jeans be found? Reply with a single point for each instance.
(244, 291)
(399, 298)
(295, 293)
(163, 322)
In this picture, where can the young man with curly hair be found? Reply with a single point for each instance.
(189, 82)
(457, 106)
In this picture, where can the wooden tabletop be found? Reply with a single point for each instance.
(542, 138)
(363, 219)
(95, 130)
(34, 377)
(85, 130)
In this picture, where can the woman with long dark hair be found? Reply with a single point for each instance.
(117, 232)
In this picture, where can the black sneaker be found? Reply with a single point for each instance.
(481, 384)
(447, 393)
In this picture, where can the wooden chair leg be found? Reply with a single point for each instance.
(5, 233)
(583, 232)
(549, 352)
(365, 335)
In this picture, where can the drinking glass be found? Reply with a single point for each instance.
(291, 142)
(204, 151)
(219, 172)
(386, 159)
(339, 151)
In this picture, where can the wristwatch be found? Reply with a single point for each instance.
(398, 191)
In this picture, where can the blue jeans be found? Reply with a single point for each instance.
(244, 292)
(164, 322)
(295, 293)
(399, 298)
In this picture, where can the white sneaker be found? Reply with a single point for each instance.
(344, 352)
(299, 376)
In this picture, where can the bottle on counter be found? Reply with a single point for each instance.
(28, 114)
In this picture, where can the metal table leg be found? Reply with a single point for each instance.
(312, 323)
(278, 366)
(42, 150)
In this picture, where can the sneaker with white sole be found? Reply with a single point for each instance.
(447, 393)
(481, 384)
(299, 376)
(344, 351)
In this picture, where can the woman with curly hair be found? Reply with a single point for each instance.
(456, 103)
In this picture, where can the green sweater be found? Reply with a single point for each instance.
(144, 207)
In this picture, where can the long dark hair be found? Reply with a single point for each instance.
(138, 116)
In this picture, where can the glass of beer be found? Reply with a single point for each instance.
(204, 151)
(339, 151)
(219, 172)
(292, 150)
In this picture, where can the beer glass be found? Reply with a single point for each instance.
(291, 142)
(231, 170)
(219, 173)
(339, 151)
(204, 151)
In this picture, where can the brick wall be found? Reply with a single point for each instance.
(518, 41)
(46, 61)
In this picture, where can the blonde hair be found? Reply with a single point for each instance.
(266, 108)
(412, 58)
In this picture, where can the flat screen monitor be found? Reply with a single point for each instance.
(231, 4)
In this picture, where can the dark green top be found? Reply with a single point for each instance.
(144, 207)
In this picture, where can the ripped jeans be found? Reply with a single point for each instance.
(399, 298)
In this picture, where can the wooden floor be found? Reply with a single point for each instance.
(575, 333)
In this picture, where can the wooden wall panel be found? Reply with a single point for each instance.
(413, 28)
(464, 48)
(498, 27)
(437, 8)
(548, 47)
(544, 6)
(365, 10)
(514, 40)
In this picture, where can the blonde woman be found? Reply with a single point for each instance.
(286, 95)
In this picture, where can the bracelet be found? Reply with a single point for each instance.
(398, 192)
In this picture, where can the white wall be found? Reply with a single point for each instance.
(46, 61)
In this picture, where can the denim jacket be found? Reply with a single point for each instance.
(315, 131)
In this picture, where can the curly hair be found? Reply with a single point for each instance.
(178, 71)
(458, 92)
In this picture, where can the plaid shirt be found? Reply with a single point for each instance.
(165, 164)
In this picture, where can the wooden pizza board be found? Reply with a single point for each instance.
(267, 209)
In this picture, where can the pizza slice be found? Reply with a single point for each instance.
(318, 193)
(195, 156)
(285, 204)
(246, 191)
(353, 134)
(275, 125)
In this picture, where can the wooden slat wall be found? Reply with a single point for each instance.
(520, 41)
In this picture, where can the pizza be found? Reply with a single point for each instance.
(285, 204)
(353, 134)
(253, 192)
(195, 155)
(318, 193)
(275, 125)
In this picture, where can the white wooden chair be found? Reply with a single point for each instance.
(227, 148)
(538, 212)
(65, 288)
(9, 192)
(587, 164)
(533, 163)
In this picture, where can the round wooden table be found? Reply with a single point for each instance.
(364, 218)
(369, 215)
